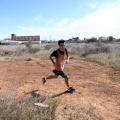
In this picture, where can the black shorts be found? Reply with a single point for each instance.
(61, 73)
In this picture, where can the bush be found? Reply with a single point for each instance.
(34, 50)
(26, 110)
(95, 49)
(49, 46)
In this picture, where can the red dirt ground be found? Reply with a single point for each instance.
(97, 87)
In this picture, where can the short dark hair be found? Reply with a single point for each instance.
(61, 41)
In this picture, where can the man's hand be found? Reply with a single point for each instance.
(67, 61)
(54, 63)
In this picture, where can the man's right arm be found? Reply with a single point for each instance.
(51, 58)
(54, 54)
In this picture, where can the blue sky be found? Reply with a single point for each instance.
(60, 19)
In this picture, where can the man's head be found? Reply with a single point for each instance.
(61, 44)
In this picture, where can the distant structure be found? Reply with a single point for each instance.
(102, 39)
(24, 39)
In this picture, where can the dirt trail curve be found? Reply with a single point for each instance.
(97, 87)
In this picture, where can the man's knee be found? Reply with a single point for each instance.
(67, 77)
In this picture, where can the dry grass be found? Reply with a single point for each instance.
(106, 53)
(26, 109)
(77, 113)
(110, 58)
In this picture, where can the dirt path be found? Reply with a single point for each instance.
(97, 94)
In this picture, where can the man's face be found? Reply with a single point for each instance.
(62, 46)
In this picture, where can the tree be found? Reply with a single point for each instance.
(110, 38)
(93, 39)
(75, 39)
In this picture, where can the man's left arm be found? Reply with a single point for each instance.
(67, 60)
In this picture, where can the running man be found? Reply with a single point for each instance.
(61, 58)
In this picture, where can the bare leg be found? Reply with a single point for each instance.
(49, 77)
(67, 82)
(55, 76)
(52, 77)
(71, 89)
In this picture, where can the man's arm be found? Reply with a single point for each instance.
(54, 54)
(67, 56)
(52, 60)
(67, 61)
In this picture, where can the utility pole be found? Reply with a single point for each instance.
(50, 37)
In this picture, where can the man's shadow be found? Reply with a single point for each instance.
(65, 92)
(35, 93)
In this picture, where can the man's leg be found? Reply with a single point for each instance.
(67, 82)
(66, 77)
(50, 77)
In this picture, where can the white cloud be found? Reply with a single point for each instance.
(104, 21)
(24, 28)
(51, 21)
(64, 22)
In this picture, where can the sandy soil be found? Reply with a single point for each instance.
(97, 87)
